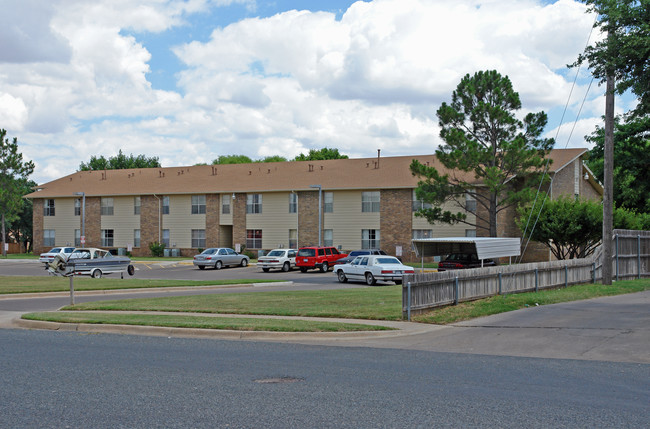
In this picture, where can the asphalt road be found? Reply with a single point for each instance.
(63, 379)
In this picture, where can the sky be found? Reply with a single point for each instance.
(189, 80)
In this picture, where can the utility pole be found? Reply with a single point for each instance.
(608, 203)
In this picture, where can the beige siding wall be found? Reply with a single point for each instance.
(275, 221)
(122, 222)
(443, 230)
(347, 220)
(180, 221)
(64, 222)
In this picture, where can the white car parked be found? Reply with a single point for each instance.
(370, 268)
(283, 259)
(49, 256)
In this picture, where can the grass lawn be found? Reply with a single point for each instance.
(203, 322)
(31, 284)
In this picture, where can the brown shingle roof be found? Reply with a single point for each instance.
(337, 174)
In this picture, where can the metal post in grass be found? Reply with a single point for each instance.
(536, 280)
(616, 257)
(71, 290)
(638, 255)
(456, 291)
(408, 301)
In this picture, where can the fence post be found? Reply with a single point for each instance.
(638, 255)
(536, 280)
(456, 291)
(408, 301)
(616, 257)
(500, 283)
(593, 272)
(566, 275)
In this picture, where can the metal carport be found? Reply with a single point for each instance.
(484, 247)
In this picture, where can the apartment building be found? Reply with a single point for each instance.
(358, 203)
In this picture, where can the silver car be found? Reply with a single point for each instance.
(219, 257)
(49, 256)
(284, 259)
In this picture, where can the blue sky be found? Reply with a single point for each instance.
(190, 80)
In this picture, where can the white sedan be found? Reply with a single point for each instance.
(370, 268)
(284, 259)
(49, 256)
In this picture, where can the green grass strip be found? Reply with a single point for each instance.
(202, 322)
(35, 284)
(381, 303)
(511, 302)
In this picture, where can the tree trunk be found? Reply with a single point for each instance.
(493, 215)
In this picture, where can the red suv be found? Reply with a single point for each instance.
(317, 257)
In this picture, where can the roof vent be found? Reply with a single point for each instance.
(311, 167)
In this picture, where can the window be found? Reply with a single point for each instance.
(253, 203)
(77, 207)
(370, 202)
(198, 205)
(419, 204)
(470, 203)
(136, 205)
(136, 238)
(328, 237)
(328, 202)
(293, 203)
(254, 238)
(198, 238)
(48, 208)
(470, 233)
(370, 239)
(293, 238)
(107, 207)
(225, 204)
(107, 237)
(165, 205)
(422, 233)
(77, 238)
(165, 237)
(48, 237)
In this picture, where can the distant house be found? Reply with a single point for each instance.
(365, 203)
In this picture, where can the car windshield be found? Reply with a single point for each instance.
(387, 261)
(209, 252)
(307, 252)
(458, 257)
(276, 253)
(55, 250)
(359, 252)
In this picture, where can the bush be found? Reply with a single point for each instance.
(157, 249)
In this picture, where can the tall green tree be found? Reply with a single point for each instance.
(273, 158)
(232, 159)
(631, 161)
(484, 139)
(626, 50)
(22, 227)
(320, 155)
(12, 170)
(572, 228)
(119, 162)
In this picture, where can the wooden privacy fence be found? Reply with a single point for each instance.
(424, 291)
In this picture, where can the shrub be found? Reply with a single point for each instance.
(157, 249)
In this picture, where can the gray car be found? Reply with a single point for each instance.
(218, 257)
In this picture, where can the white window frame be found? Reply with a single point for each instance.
(293, 238)
(198, 238)
(370, 239)
(77, 207)
(49, 237)
(165, 205)
(293, 202)
(198, 205)
(137, 204)
(328, 237)
(328, 202)
(370, 201)
(419, 204)
(107, 208)
(254, 242)
(225, 203)
(108, 237)
(136, 238)
(253, 203)
(49, 207)
(166, 238)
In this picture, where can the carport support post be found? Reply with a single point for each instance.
(408, 301)
(71, 290)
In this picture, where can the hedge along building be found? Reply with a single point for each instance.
(364, 203)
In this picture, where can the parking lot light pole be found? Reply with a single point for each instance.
(320, 214)
(83, 214)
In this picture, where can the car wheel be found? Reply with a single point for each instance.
(341, 276)
(244, 262)
(96, 274)
(324, 267)
(266, 270)
(130, 269)
(286, 267)
(303, 269)
(201, 267)
(218, 265)
(370, 279)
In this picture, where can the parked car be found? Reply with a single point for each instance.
(353, 254)
(457, 261)
(218, 257)
(90, 261)
(371, 268)
(49, 256)
(317, 257)
(284, 259)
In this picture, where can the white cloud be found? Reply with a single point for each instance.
(284, 84)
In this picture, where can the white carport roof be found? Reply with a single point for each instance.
(484, 247)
